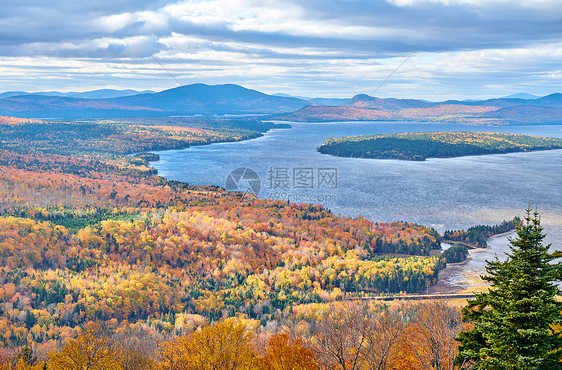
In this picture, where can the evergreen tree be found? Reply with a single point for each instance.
(515, 323)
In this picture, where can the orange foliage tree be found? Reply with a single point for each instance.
(286, 354)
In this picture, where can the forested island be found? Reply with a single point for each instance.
(455, 254)
(423, 145)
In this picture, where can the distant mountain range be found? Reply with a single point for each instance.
(336, 102)
(501, 111)
(201, 99)
(522, 96)
(94, 94)
(184, 100)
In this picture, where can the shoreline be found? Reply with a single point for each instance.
(242, 139)
(433, 158)
(455, 269)
(464, 262)
(475, 249)
(498, 235)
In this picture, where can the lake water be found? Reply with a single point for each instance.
(445, 194)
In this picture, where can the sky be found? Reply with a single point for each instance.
(425, 49)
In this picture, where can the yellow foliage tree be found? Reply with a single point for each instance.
(89, 351)
(224, 345)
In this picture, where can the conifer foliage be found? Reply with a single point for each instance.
(516, 323)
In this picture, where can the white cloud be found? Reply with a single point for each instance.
(114, 22)
(459, 48)
(535, 4)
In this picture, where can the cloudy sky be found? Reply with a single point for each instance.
(322, 48)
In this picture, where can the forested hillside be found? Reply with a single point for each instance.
(90, 234)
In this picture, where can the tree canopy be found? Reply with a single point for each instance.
(516, 323)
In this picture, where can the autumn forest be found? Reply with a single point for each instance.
(100, 255)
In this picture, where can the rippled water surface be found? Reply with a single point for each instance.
(442, 193)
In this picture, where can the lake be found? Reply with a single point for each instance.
(449, 193)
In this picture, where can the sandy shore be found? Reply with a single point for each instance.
(456, 269)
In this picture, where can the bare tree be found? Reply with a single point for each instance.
(385, 330)
(340, 337)
(431, 337)
(137, 348)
